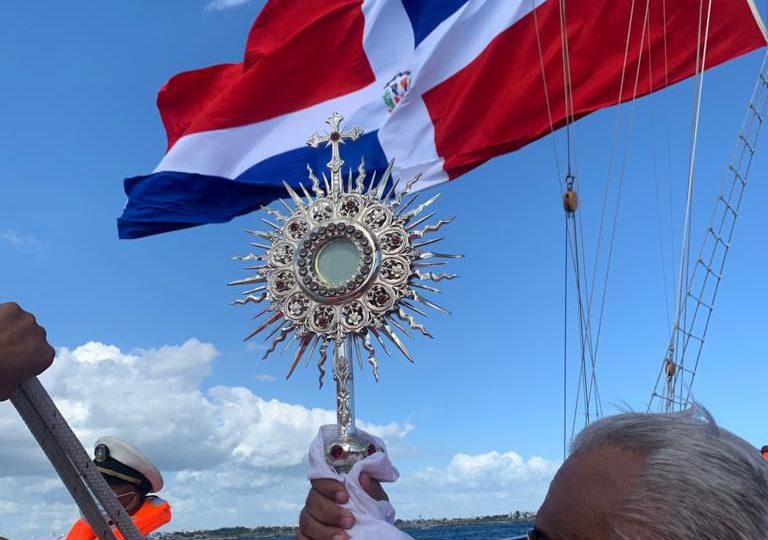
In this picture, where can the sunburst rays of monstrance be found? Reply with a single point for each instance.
(345, 264)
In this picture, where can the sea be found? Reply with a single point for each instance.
(492, 531)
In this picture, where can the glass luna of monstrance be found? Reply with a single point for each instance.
(342, 268)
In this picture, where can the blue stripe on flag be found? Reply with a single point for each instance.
(426, 15)
(292, 165)
(170, 201)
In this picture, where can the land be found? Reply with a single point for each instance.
(240, 533)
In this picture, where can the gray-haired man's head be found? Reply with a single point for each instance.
(658, 477)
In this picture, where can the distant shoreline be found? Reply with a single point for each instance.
(239, 533)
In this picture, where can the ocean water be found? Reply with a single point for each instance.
(501, 531)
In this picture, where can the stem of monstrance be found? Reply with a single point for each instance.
(348, 447)
(345, 391)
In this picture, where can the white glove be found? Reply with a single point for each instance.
(374, 520)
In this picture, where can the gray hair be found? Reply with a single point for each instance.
(699, 481)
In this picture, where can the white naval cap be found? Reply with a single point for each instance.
(117, 458)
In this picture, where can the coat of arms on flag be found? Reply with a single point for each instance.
(395, 90)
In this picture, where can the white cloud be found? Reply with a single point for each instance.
(472, 485)
(229, 456)
(265, 377)
(14, 238)
(94, 352)
(490, 469)
(221, 5)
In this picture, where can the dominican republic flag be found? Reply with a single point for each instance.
(440, 85)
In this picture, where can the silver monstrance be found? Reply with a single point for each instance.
(345, 264)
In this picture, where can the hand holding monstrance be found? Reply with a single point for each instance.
(344, 268)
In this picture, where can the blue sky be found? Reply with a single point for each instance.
(77, 115)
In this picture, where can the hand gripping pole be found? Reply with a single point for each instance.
(80, 476)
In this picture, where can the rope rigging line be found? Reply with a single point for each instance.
(546, 97)
(654, 161)
(78, 473)
(590, 388)
(584, 335)
(585, 291)
(722, 241)
(591, 385)
(684, 270)
(568, 90)
(708, 268)
(582, 385)
(584, 348)
(560, 180)
(581, 290)
(612, 151)
(594, 346)
(572, 176)
(569, 179)
(669, 149)
(622, 176)
(565, 342)
(670, 364)
(694, 140)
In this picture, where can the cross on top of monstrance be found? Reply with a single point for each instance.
(334, 139)
(347, 268)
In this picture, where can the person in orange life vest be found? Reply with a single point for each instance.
(132, 477)
(764, 451)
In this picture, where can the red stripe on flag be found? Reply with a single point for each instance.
(299, 53)
(497, 103)
(181, 99)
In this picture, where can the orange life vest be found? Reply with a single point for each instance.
(153, 514)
